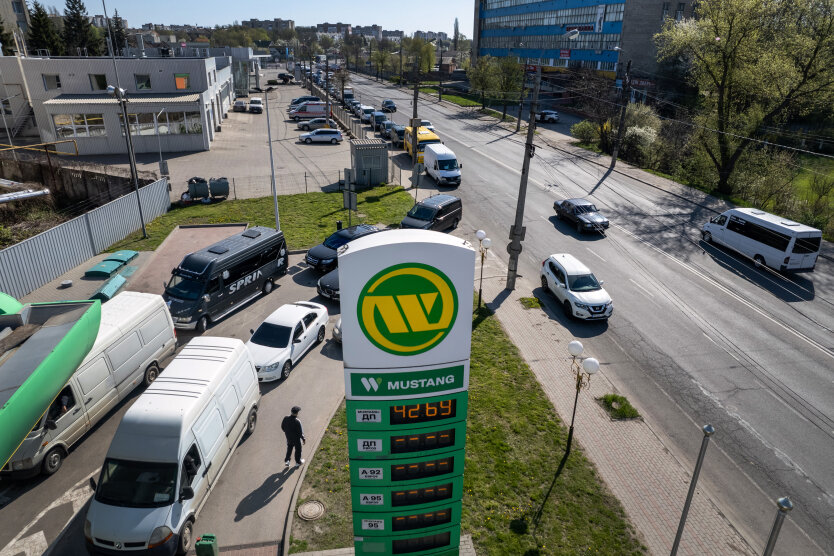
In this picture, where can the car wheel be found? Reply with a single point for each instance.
(268, 285)
(52, 462)
(759, 261)
(151, 373)
(308, 140)
(320, 337)
(285, 371)
(203, 324)
(334, 142)
(251, 421)
(186, 534)
(707, 237)
(568, 309)
(544, 284)
(306, 128)
(455, 223)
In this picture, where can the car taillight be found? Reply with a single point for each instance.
(544, 261)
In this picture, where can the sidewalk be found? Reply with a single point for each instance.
(642, 473)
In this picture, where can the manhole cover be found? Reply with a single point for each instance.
(311, 510)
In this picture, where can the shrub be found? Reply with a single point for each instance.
(586, 131)
(638, 145)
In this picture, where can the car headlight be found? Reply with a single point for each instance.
(182, 319)
(327, 261)
(610, 303)
(272, 368)
(582, 306)
(159, 536)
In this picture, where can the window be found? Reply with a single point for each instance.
(665, 13)
(51, 82)
(806, 245)
(173, 123)
(297, 333)
(62, 404)
(7, 106)
(98, 81)
(679, 11)
(143, 82)
(182, 81)
(208, 76)
(17, 7)
(79, 125)
(190, 466)
(309, 319)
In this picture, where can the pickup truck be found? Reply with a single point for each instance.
(286, 78)
(581, 212)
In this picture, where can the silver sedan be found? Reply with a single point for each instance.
(316, 123)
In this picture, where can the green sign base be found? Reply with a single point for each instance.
(441, 542)
(434, 518)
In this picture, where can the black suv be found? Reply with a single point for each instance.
(306, 98)
(389, 106)
(439, 212)
(323, 258)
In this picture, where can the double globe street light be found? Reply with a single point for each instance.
(484, 243)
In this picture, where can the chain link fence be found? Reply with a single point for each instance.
(248, 187)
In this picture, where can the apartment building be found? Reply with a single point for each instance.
(15, 13)
(276, 24)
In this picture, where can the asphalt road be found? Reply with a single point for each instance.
(247, 505)
(698, 335)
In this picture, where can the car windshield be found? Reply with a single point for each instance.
(184, 288)
(336, 240)
(583, 283)
(272, 335)
(448, 164)
(422, 212)
(137, 484)
(584, 209)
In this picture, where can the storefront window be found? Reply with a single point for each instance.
(79, 125)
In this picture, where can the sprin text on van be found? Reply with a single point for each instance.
(245, 281)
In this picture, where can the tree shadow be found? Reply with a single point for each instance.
(565, 227)
(263, 495)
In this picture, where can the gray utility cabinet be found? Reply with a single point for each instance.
(369, 160)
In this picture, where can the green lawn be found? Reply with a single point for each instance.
(514, 444)
(306, 218)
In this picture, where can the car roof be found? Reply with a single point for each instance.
(387, 100)
(438, 201)
(291, 313)
(259, 99)
(357, 231)
(571, 264)
(579, 202)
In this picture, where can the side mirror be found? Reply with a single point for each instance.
(560, 285)
(435, 165)
(601, 282)
(164, 285)
(173, 270)
(206, 298)
(460, 166)
(186, 493)
(93, 484)
(251, 331)
(297, 341)
(50, 425)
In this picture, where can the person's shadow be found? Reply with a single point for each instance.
(263, 495)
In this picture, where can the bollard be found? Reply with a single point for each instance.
(338, 225)
(206, 546)
(708, 431)
(785, 505)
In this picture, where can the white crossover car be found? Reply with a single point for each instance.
(576, 288)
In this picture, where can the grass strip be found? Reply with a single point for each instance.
(530, 302)
(514, 443)
(618, 407)
(306, 218)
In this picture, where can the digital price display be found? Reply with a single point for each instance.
(426, 495)
(421, 520)
(422, 469)
(435, 440)
(423, 412)
(418, 544)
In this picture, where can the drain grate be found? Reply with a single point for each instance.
(310, 511)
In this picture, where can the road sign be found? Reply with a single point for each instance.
(349, 199)
(406, 329)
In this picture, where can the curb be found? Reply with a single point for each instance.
(285, 543)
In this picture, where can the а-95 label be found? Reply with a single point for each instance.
(372, 500)
(373, 524)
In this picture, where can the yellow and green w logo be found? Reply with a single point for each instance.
(408, 308)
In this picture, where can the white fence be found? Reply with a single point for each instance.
(33, 262)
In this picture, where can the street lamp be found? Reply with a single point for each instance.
(119, 94)
(163, 168)
(582, 369)
(8, 133)
(484, 243)
(271, 162)
(621, 127)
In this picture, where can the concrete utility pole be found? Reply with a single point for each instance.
(621, 127)
(517, 231)
(327, 89)
(401, 63)
(521, 98)
(440, 73)
(414, 128)
(311, 71)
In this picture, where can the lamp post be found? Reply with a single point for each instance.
(163, 168)
(621, 127)
(271, 162)
(8, 133)
(119, 94)
(484, 243)
(582, 370)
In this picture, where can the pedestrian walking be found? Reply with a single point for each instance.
(295, 436)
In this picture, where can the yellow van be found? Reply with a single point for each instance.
(425, 136)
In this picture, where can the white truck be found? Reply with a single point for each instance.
(442, 164)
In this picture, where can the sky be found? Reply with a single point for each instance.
(425, 15)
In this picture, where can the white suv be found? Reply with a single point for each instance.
(576, 288)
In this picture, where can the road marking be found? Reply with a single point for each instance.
(650, 294)
(510, 168)
(459, 140)
(594, 254)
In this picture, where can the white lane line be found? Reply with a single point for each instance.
(457, 139)
(510, 168)
(647, 292)
(595, 255)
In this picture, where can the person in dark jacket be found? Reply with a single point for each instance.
(295, 436)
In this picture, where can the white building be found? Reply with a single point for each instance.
(180, 102)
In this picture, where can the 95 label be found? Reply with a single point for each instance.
(370, 473)
(369, 416)
(371, 500)
(373, 524)
(369, 444)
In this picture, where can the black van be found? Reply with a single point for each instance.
(439, 212)
(212, 282)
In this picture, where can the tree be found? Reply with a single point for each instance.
(42, 33)
(79, 33)
(756, 63)
(509, 74)
(482, 77)
(380, 60)
(342, 78)
(7, 40)
(352, 46)
(119, 35)
(600, 102)
(457, 34)
(326, 42)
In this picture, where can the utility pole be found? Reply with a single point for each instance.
(371, 52)
(521, 98)
(311, 71)
(327, 89)
(621, 127)
(440, 73)
(414, 128)
(517, 230)
(401, 63)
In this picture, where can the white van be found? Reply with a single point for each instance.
(170, 449)
(309, 110)
(135, 335)
(442, 164)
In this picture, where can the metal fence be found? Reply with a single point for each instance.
(249, 187)
(33, 262)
